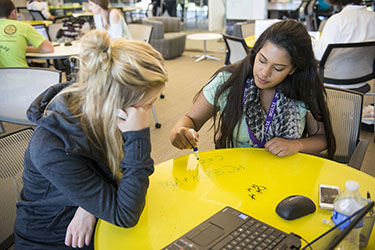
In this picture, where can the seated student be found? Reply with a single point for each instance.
(15, 37)
(273, 98)
(110, 20)
(37, 5)
(354, 23)
(83, 162)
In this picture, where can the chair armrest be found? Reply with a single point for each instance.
(157, 31)
(359, 154)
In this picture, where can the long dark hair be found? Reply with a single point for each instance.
(304, 84)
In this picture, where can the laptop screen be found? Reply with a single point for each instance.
(41, 28)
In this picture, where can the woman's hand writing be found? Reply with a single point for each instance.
(181, 138)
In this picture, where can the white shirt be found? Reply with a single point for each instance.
(35, 5)
(115, 30)
(353, 24)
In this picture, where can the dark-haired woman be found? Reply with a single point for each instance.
(273, 98)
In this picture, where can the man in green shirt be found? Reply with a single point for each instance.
(15, 37)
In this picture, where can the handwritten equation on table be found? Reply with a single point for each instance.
(182, 175)
(255, 190)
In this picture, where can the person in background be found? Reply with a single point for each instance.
(272, 99)
(323, 6)
(110, 20)
(15, 37)
(354, 23)
(37, 5)
(83, 161)
(168, 5)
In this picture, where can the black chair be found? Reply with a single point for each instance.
(37, 15)
(12, 149)
(349, 65)
(237, 49)
(24, 13)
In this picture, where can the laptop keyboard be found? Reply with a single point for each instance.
(231, 229)
(252, 235)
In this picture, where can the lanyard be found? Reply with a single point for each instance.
(269, 117)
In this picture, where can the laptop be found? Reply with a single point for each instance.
(42, 29)
(232, 229)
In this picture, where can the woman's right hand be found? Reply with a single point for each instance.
(181, 138)
(137, 119)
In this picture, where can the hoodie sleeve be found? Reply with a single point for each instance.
(74, 176)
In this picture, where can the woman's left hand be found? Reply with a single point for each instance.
(80, 229)
(282, 147)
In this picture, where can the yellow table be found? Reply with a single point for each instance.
(184, 192)
(250, 41)
(46, 22)
(66, 7)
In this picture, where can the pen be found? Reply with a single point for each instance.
(369, 198)
(195, 149)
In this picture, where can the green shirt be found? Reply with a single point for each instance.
(14, 38)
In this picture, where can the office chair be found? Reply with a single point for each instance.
(37, 15)
(345, 107)
(237, 49)
(53, 30)
(12, 149)
(19, 87)
(349, 65)
(307, 14)
(24, 13)
(140, 32)
(244, 29)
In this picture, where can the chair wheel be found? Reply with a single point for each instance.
(162, 96)
(157, 125)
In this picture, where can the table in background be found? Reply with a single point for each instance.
(60, 52)
(65, 8)
(45, 22)
(204, 37)
(184, 192)
(250, 41)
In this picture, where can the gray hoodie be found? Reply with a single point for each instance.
(63, 170)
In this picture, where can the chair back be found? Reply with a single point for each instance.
(24, 13)
(19, 87)
(12, 149)
(140, 32)
(248, 29)
(53, 29)
(37, 15)
(348, 63)
(237, 48)
(345, 107)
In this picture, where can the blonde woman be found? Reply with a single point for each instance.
(110, 20)
(84, 162)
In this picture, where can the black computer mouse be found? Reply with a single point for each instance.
(294, 207)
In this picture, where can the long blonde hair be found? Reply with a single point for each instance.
(112, 75)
